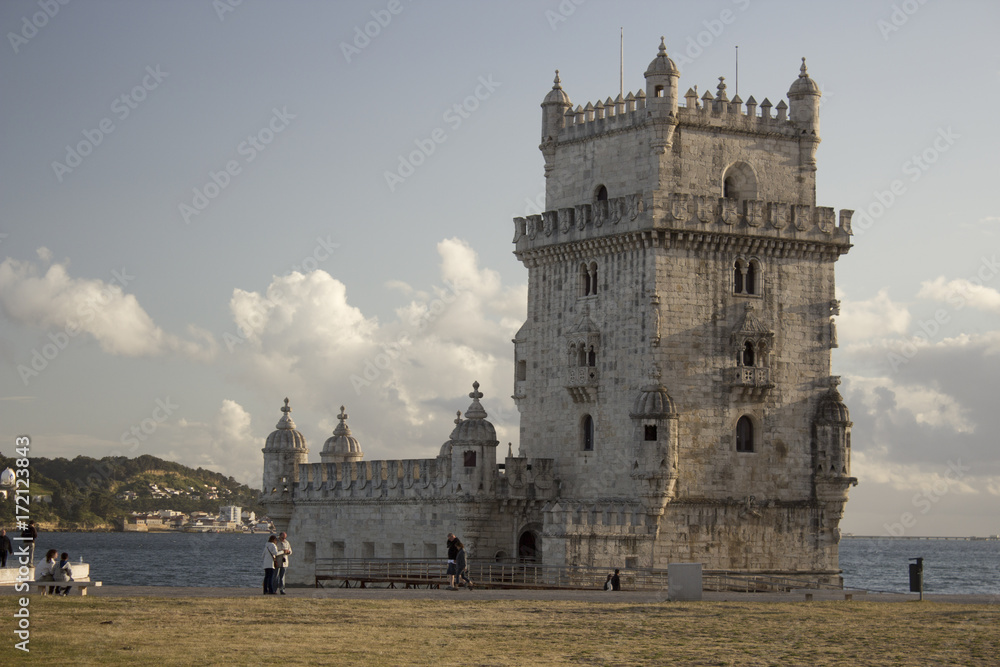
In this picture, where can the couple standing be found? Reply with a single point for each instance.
(458, 564)
(275, 561)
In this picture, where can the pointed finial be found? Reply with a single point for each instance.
(663, 47)
(476, 394)
(475, 410)
(510, 450)
(802, 70)
(343, 415)
(458, 417)
(286, 409)
(722, 84)
(556, 82)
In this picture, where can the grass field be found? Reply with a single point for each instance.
(292, 631)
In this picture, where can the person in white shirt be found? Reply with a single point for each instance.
(284, 551)
(269, 556)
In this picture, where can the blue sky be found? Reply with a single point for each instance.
(198, 222)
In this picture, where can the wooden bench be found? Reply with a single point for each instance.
(43, 586)
(848, 593)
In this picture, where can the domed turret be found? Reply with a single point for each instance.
(554, 108)
(283, 451)
(7, 477)
(803, 110)
(661, 82)
(653, 402)
(343, 446)
(473, 445)
(832, 410)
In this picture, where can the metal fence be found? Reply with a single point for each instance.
(412, 573)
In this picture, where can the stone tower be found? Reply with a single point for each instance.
(675, 363)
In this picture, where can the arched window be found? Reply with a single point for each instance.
(601, 194)
(591, 357)
(748, 356)
(527, 547)
(739, 182)
(588, 433)
(738, 270)
(748, 278)
(658, 91)
(744, 434)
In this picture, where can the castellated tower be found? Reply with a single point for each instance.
(675, 363)
(673, 375)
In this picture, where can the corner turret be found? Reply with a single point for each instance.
(661, 82)
(804, 99)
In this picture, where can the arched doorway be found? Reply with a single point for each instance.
(528, 548)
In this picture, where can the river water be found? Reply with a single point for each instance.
(233, 559)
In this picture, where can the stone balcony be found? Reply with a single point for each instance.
(581, 383)
(752, 383)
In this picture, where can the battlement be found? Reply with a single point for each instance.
(685, 212)
(632, 111)
(413, 478)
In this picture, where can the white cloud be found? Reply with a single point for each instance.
(876, 317)
(56, 300)
(401, 380)
(960, 293)
(927, 405)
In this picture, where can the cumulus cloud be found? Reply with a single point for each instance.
(53, 299)
(401, 380)
(876, 317)
(961, 293)
(225, 444)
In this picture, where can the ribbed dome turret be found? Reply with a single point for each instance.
(342, 446)
(662, 64)
(803, 85)
(7, 477)
(475, 427)
(557, 95)
(286, 438)
(653, 402)
(831, 408)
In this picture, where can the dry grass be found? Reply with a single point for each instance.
(258, 631)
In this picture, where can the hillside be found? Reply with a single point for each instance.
(95, 494)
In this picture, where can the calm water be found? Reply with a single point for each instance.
(221, 559)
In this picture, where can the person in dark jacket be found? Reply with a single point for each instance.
(462, 566)
(616, 582)
(452, 554)
(6, 548)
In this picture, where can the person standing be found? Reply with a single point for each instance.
(452, 554)
(30, 535)
(269, 556)
(6, 548)
(284, 551)
(616, 582)
(462, 566)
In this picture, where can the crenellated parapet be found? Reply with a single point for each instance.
(684, 212)
(564, 518)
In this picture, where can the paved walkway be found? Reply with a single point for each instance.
(642, 597)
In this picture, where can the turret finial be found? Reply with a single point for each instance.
(802, 69)
(556, 82)
(663, 47)
(458, 417)
(343, 415)
(286, 409)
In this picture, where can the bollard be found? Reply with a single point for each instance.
(917, 577)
